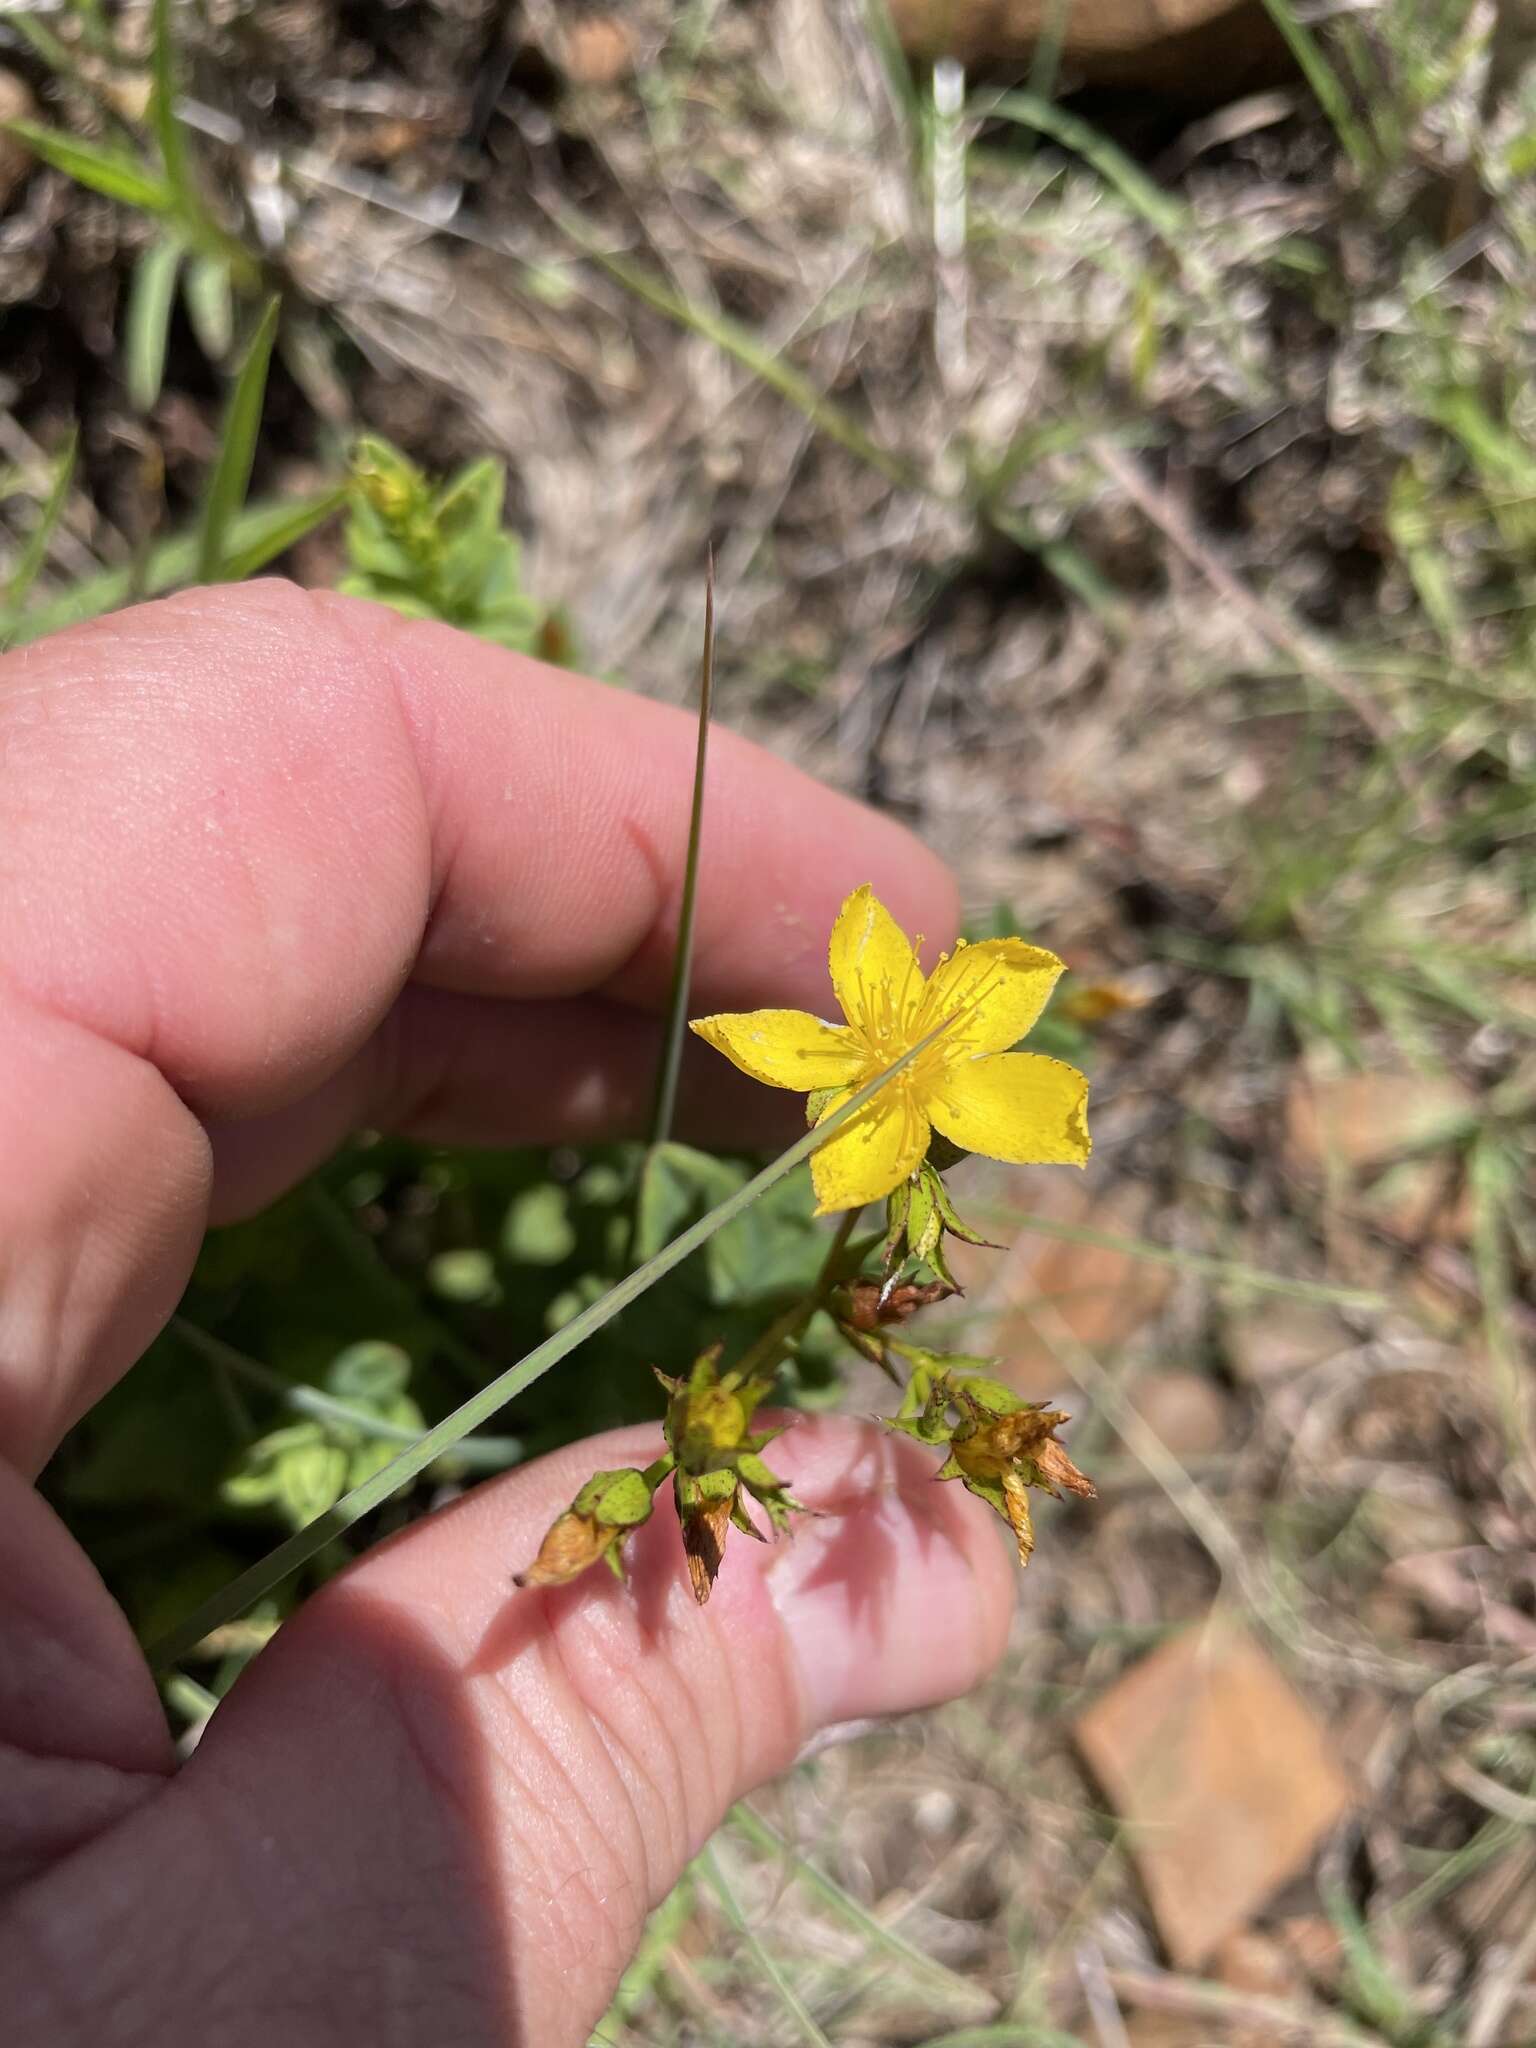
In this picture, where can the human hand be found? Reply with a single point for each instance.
(273, 865)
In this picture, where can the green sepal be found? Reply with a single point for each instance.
(952, 1222)
(898, 1207)
(869, 1344)
(925, 1221)
(817, 1104)
(615, 1500)
(741, 1520)
(755, 1473)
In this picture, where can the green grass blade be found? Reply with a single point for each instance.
(472, 1414)
(1045, 61)
(664, 1105)
(1161, 212)
(277, 534)
(43, 42)
(257, 536)
(892, 59)
(35, 553)
(1070, 567)
(1232, 1272)
(112, 172)
(169, 133)
(1327, 87)
(148, 325)
(237, 448)
(719, 1884)
(743, 347)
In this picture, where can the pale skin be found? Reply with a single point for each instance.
(273, 865)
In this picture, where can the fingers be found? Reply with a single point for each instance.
(233, 824)
(468, 1070)
(501, 1784)
(234, 827)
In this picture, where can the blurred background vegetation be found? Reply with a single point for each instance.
(1117, 431)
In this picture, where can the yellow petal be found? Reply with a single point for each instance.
(874, 972)
(872, 1153)
(1014, 1105)
(996, 988)
(784, 1048)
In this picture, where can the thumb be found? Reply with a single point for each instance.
(439, 1808)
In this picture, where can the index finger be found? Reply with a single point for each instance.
(234, 824)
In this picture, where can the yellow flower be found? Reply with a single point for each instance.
(968, 1084)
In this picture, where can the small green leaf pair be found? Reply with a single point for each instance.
(304, 1468)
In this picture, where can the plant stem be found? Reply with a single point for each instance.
(764, 1355)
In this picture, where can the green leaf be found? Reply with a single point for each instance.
(466, 1275)
(775, 1248)
(209, 293)
(677, 1184)
(112, 172)
(256, 1480)
(257, 536)
(237, 449)
(537, 1229)
(310, 1480)
(148, 325)
(371, 1371)
(35, 552)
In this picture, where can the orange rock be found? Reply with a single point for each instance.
(598, 51)
(1201, 49)
(1224, 1778)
